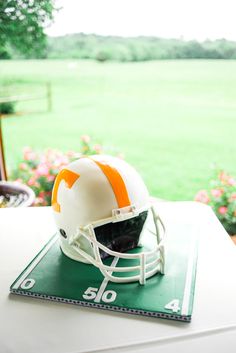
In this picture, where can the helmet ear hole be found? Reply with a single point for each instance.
(63, 233)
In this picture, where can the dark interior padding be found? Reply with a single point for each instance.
(121, 236)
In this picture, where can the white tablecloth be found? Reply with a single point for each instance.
(32, 325)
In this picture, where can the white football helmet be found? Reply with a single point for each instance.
(102, 208)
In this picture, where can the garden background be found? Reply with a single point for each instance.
(172, 118)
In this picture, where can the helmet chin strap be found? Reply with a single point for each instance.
(147, 266)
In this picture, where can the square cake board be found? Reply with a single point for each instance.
(53, 276)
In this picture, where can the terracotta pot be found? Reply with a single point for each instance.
(16, 194)
(233, 237)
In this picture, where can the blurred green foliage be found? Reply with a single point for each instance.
(22, 25)
(100, 48)
(7, 108)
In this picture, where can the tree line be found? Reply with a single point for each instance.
(105, 48)
(101, 48)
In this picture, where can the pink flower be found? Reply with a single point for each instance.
(61, 161)
(31, 181)
(42, 194)
(226, 179)
(28, 154)
(97, 148)
(50, 178)
(85, 138)
(19, 180)
(71, 154)
(39, 201)
(232, 197)
(222, 209)
(64, 160)
(217, 192)
(48, 194)
(42, 170)
(43, 159)
(202, 196)
(27, 149)
(223, 177)
(231, 181)
(23, 166)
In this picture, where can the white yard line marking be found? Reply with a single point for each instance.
(105, 282)
(34, 263)
(189, 274)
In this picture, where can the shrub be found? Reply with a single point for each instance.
(102, 55)
(39, 169)
(7, 108)
(221, 196)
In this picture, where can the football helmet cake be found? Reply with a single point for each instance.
(102, 209)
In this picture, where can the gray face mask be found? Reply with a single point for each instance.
(121, 236)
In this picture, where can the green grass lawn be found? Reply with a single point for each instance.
(171, 119)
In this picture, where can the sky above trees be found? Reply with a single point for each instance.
(187, 19)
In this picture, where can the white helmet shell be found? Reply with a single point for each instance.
(91, 192)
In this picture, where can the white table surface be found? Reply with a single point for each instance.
(33, 325)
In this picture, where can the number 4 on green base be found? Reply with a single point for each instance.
(173, 305)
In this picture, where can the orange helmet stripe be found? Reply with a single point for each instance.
(70, 178)
(116, 182)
